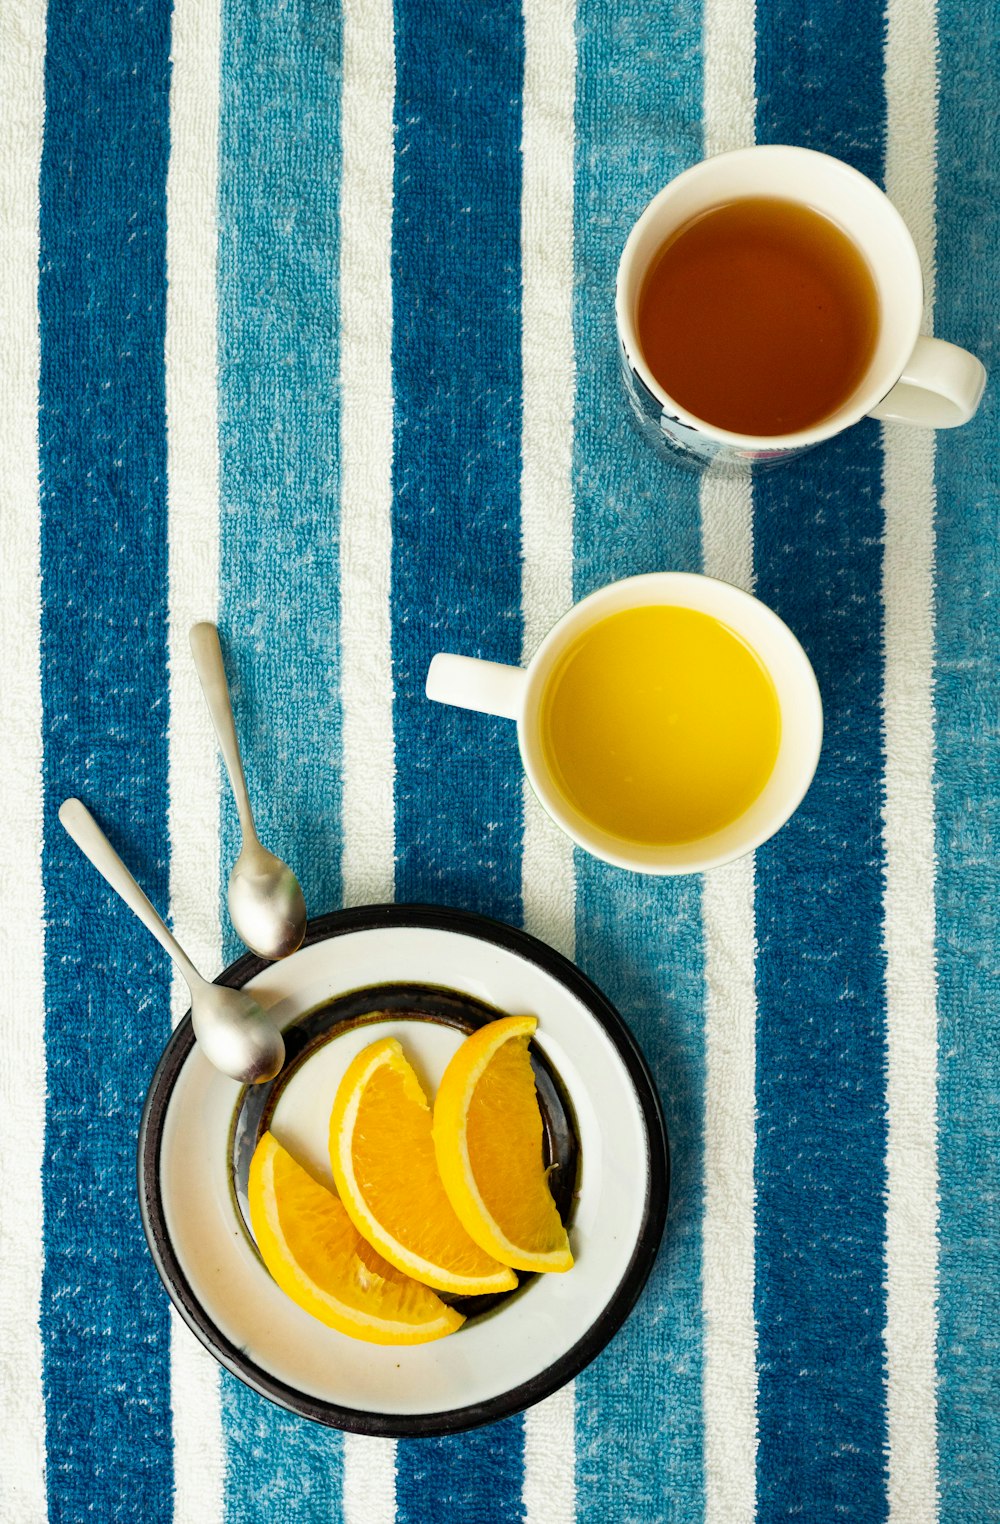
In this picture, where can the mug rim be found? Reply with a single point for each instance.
(866, 396)
(808, 719)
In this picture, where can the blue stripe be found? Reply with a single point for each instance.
(820, 1167)
(472, 1478)
(968, 699)
(101, 295)
(457, 384)
(639, 1448)
(455, 570)
(279, 174)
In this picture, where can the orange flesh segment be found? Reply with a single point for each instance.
(504, 1138)
(317, 1257)
(392, 1189)
(488, 1137)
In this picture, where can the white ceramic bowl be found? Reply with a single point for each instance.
(498, 1363)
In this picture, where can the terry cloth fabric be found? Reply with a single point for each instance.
(308, 327)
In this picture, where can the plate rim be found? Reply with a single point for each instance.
(325, 928)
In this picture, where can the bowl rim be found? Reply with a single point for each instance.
(454, 1420)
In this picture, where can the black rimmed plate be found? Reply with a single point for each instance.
(427, 975)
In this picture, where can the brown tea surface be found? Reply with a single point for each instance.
(759, 316)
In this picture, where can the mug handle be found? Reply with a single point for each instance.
(940, 387)
(488, 687)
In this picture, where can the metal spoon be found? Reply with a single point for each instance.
(265, 900)
(234, 1032)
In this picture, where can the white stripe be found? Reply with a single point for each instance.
(366, 447)
(730, 1357)
(22, 940)
(369, 1480)
(729, 104)
(193, 534)
(549, 1493)
(729, 1392)
(199, 1446)
(549, 389)
(727, 525)
(366, 423)
(729, 1379)
(908, 705)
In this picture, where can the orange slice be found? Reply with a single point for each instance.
(488, 1140)
(318, 1258)
(382, 1155)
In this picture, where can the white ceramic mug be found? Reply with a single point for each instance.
(516, 693)
(911, 378)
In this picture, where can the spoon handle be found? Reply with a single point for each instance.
(207, 653)
(81, 825)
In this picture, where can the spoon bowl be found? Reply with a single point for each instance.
(236, 1034)
(265, 900)
(266, 903)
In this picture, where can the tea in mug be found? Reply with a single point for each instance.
(759, 316)
(660, 725)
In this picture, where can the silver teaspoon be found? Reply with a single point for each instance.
(265, 900)
(234, 1032)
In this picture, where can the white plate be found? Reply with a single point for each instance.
(496, 1364)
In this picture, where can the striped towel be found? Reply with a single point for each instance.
(307, 326)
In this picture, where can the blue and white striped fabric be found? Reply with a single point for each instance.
(307, 326)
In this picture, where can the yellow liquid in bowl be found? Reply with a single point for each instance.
(660, 725)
